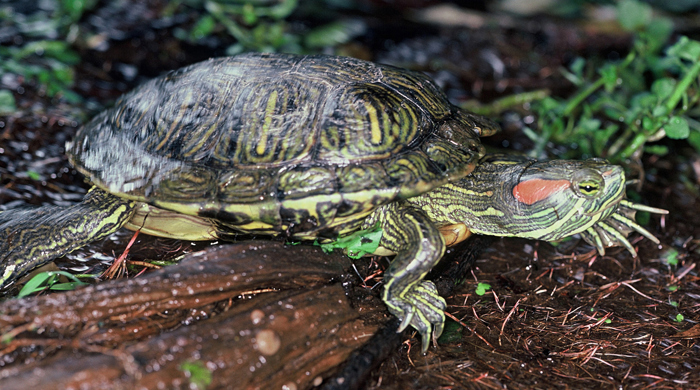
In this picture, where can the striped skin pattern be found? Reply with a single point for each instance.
(494, 209)
(409, 232)
(504, 196)
(33, 237)
(546, 200)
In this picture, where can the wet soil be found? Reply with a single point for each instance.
(556, 316)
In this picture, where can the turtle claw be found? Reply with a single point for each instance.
(421, 307)
(406, 320)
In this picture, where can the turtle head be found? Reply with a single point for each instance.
(556, 199)
(586, 197)
(550, 200)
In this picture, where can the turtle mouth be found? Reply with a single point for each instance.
(603, 210)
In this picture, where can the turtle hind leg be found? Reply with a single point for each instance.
(30, 238)
(418, 245)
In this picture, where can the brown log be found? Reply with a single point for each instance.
(294, 330)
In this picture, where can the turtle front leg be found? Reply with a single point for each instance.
(418, 245)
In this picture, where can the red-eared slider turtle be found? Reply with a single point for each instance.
(312, 147)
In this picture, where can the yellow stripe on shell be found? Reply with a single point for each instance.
(267, 121)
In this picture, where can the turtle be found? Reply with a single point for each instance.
(314, 147)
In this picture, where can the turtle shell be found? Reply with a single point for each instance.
(279, 143)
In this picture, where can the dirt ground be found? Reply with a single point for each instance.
(262, 314)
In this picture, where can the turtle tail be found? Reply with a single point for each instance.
(30, 238)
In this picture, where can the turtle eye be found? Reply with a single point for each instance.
(588, 183)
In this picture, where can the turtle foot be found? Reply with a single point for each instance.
(421, 307)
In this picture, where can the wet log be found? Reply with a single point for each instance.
(250, 315)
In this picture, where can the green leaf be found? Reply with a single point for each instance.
(452, 332)
(660, 111)
(670, 257)
(7, 102)
(74, 9)
(199, 375)
(663, 88)
(685, 48)
(679, 317)
(649, 124)
(549, 104)
(657, 33)
(677, 128)
(204, 26)
(249, 16)
(50, 49)
(35, 284)
(69, 286)
(481, 288)
(335, 33)
(47, 281)
(34, 175)
(589, 125)
(601, 138)
(694, 140)
(357, 244)
(659, 150)
(610, 78)
(643, 100)
(64, 74)
(633, 15)
(283, 9)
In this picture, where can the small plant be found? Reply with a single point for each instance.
(481, 288)
(45, 55)
(670, 257)
(50, 281)
(263, 26)
(623, 106)
(357, 244)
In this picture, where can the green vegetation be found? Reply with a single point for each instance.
(262, 25)
(50, 281)
(620, 122)
(357, 244)
(198, 374)
(670, 257)
(618, 110)
(44, 52)
(452, 333)
(481, 288)
(620, 107)
(7, 102)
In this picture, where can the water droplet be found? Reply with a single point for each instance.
(267, 342)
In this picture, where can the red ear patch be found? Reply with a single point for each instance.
(534, 190)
